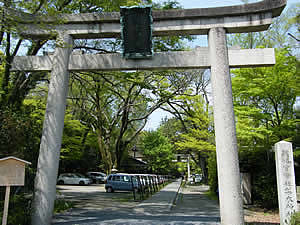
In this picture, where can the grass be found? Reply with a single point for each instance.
(295, 218)
(61, 205)
(211, 195)
(127, 198)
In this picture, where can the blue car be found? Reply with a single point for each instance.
(122, 182)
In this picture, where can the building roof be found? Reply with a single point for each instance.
(15, 158)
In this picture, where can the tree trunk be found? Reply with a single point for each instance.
(105, 152)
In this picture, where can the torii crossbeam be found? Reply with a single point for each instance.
(214, 22)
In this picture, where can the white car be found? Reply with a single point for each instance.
(73, 178)
(198, 178)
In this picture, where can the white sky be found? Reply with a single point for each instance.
(156, 117)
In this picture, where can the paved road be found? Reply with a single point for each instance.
(194, 207)
(96, 207)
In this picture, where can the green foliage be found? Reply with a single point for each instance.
(276, 36)
(198, 122)
(72, 138)
(260, 162)
(212, 172)
(19, 212)
(265, 191)
(264, 99)
(19, 133)
(79, 150)
(196, 138)
(1, 73)
(61, 205)
(158, 152)
(295, 219)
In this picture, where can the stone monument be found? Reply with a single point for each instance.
(286, 185)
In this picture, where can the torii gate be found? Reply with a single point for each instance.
(214, 22)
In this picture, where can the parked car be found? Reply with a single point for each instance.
(122, 182)
(97, 177)
(73, 178)
(198, 178)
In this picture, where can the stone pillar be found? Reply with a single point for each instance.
(48, 162)
(231, 205)
(285, 181)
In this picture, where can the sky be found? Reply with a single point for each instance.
(156, 117)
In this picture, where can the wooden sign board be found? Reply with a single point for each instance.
(12, 171)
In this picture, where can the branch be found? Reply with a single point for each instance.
(294, 37)
(17, 47)
(137, 132)
(177, 114)
(94, 48)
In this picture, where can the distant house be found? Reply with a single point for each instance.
(135, 162)
(131, 165)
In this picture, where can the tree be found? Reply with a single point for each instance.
(16, 85)
(158, 152)
(190, 109)
(279, 35)
(116, 105)
(264, 99)
(197, 140)
(79, 151)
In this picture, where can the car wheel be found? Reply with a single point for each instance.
(60, 182)
(109, 190)
(81, 182)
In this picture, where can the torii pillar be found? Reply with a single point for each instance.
(215, 22)
(231, 204)
(48, 161)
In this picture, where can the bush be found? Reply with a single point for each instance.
(265, 191)
(212, 172)
(19, 211)
(295, 219)
(61, 205)
(263, 171)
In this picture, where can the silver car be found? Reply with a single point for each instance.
(73, 178)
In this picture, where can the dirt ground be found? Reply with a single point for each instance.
(257, 216)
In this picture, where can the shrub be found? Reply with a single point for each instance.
(212, 172)
(19, 211)
(295, 219)
(61, 205)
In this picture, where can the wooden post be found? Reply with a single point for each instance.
(6, 202)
